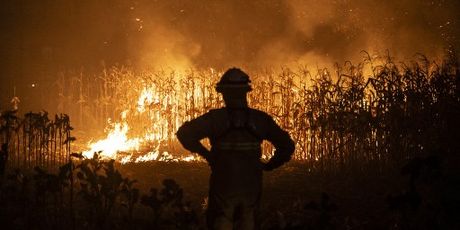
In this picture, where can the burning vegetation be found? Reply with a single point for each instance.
(337, 117)
(143, 68)
(368, 114)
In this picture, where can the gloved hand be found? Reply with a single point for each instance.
(208, 156)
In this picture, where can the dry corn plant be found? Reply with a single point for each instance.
(371, 114)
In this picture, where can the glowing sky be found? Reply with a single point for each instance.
(40, 38)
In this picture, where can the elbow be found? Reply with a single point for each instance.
(290, 148)
(187, 140)
(181, 134)
(289, 151)
(183, 141)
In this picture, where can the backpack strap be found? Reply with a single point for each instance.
(251, 127)
(248, 125)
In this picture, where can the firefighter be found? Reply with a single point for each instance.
(235, 133)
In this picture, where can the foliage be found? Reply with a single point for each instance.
(427, 200)
(378, 111)
(42, 200)
(169, 208)
(48, 198)
(35, 140)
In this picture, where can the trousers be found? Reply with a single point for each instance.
(235, 212)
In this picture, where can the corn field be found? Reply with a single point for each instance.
(370, 114)
(35, 140)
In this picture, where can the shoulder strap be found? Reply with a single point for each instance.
(248, 126)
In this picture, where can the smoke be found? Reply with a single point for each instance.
(42, 37)
(262, 33)
(167, 48)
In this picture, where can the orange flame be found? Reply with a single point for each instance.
(117, 140)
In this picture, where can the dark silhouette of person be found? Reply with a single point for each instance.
(235, 133)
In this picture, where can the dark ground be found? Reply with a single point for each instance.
(293, 196)
(422, 193)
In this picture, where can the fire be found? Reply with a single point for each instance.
(120, 146)
(145, 99)
(116, 141)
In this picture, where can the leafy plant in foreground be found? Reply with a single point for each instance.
(168, 207)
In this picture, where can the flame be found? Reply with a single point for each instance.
(115, 142)
(145, 99)
(119, 146)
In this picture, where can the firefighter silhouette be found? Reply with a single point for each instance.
(236, 133)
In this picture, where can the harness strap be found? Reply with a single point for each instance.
(231, 126)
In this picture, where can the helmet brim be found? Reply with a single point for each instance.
(225, 88)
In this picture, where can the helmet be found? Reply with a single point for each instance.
(234, 79)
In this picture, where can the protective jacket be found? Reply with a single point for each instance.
(236, 136)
